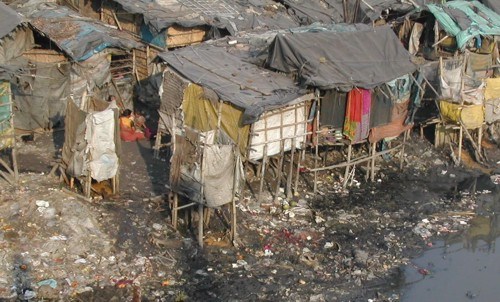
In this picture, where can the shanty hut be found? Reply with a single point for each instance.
(221, 111)
(15, 38)
(363, 76)
(461, 37)
(7, 137)
(85, 60)
(175, 23)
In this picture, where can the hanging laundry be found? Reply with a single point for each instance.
(333, 106)
(381, 107)
(357, 118)
(365, 115)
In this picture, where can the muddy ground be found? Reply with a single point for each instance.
(337, 245)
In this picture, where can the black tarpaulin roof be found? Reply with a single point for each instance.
(242, 84)
(234, 16)
(326, 60)
(327, 11)
(9, 19)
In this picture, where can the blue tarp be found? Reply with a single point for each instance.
(79, 37)
(465, 20)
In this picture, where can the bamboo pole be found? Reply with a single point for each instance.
(200, 224)
(346, 174)
(357, 161)
(480, 139)
(374, 147)
(202, 192)
(368, 163)
(316, 149)
(282, 155)
(14, 145)
(302, 154)
(401, 158)
(460, 137)
(264, 162)
(235, 191)
(175, 209)
(262, 173)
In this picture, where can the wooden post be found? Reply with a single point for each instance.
(316, 150)
(460, 137)
(200, 224)
(292, 155)
(264, 160)
(262, 173)
(401, 157)
(302, 154)
(175, 211)
(14, 147)
(280, 168)
(235, 190)
(346, 174)
(290, 171)
(282, 155)
(374, 147)
(479, 140)
(88, 184)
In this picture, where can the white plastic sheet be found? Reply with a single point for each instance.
(100, 134)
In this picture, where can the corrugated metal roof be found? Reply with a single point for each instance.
(9, 20)
(79, 37)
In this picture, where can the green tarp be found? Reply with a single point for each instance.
(465, 20)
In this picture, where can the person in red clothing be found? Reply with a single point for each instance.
(128, 131)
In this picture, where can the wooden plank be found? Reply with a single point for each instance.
(182, 36)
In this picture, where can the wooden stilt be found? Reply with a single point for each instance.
(175, 211)
(280, 169)
(346, 174)
(301, 155)
(289, 177)
(316, 149)
(368, 163)
(372, 178)
(262, 173)
(88, 184)
(14, 153)
(402, 153)
(479, 140)
(282, 155)
(233, 220)
(200, 224)
(460, 137)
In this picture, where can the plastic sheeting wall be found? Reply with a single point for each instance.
(15, 44)
(40, 100)
(90, 75)
(202, 114)
(91, 142)
(281, 124)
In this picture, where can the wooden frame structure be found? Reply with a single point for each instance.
(11, 175)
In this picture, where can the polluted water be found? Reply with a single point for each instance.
(464, 266)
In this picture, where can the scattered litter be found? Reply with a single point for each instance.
(50, 282)
(59, 237)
